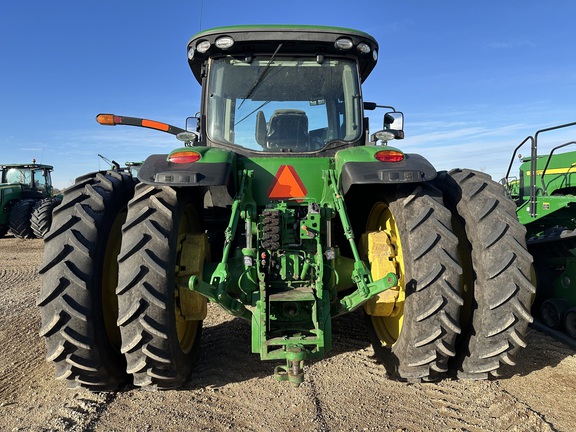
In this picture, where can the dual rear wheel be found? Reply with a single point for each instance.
(465, 290)
(99, 327)
(30, 218)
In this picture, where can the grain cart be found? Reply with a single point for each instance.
(24, 191)
(546, 197)
(281, 208)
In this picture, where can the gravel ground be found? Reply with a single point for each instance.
(231, 389)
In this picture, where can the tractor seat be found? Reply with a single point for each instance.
(288, 129)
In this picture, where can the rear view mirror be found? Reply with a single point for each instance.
(394, 121)
(393, 128)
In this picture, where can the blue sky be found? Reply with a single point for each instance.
(473, 78)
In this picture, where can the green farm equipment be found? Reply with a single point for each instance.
(130, 167)
(133, 168)
(545, 193)
(280, 207)
(26, 199)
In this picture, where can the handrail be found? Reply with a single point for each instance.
(533, 160)
(548, 162)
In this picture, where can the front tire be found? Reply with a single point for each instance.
(161, 239)
(79, 275)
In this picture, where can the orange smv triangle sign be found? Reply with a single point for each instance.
(286, 184)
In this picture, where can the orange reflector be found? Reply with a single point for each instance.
(389, 156)
(105, 119)
(155, 125)
(184, 157)
(286, 184)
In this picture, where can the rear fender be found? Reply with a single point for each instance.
(215, 167)
(358, 165)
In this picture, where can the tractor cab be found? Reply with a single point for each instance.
(263, 92)
(33, 179)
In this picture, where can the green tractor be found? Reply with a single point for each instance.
(26, 199)
(280, 207)
(545, 193)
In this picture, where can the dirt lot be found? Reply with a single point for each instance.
(231, 389)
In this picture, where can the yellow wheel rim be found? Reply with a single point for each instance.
(388, 328)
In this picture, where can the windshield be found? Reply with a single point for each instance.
(283, 104)
(28, 178)
(19, 175)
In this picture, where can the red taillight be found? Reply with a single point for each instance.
(184, 157)
(389, 156)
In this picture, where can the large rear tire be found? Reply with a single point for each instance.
(422, 328)
(160, 345)
(79, 275)
(500, 277)
(20, 215)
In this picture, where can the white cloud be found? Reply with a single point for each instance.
(510, 44)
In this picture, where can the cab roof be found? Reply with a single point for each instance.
(26, 166)
(295, 39)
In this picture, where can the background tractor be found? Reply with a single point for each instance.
(26, 199)
(280, 207)
(545, 193)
